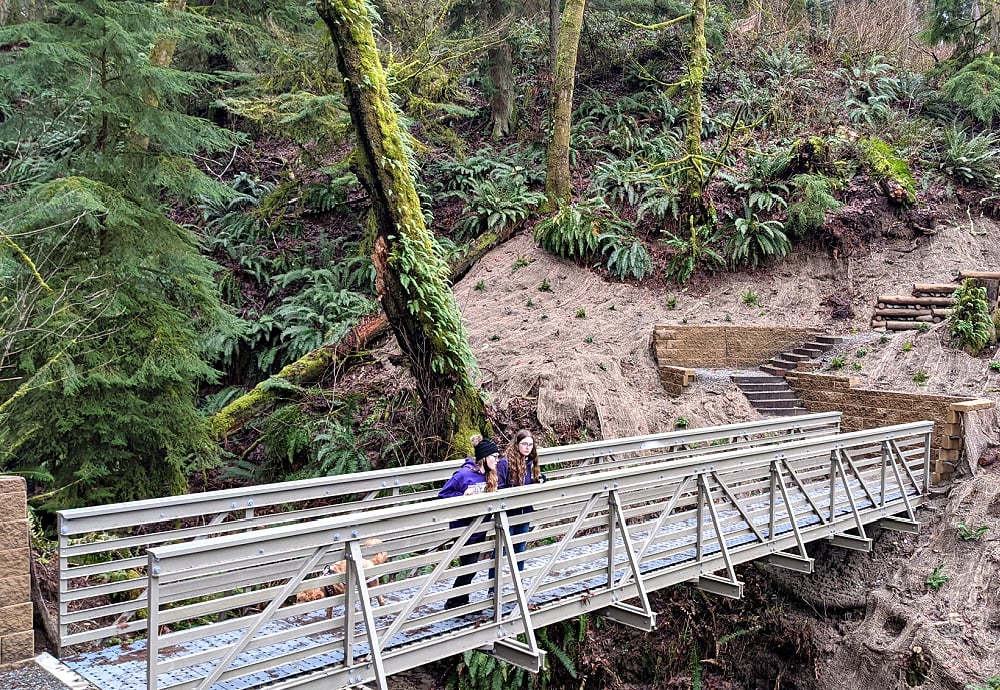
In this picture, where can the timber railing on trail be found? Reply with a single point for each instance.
(102, 549)
(223, 611)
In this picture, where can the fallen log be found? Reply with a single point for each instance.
(304, 370)
(313, 365)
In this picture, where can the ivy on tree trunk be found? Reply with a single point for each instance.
(411, 279)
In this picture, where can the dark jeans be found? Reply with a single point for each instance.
(519, 546)
(462, 580)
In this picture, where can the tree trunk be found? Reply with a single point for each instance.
(696, 206)
(553, 34)
(411, 279)
(501, 74)
(558, 184)
(315, 364)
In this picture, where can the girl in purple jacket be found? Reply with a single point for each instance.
(478, 475)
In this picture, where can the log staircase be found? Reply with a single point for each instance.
(928, 303)
(768, 392)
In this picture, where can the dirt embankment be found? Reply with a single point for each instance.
(550, 334)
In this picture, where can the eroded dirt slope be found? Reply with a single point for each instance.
(549, 333)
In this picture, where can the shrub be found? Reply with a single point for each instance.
(583, 230)
(976, 88)
(574, 230)
(627, 256)
(692, 252)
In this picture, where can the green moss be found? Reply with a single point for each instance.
(885, 166)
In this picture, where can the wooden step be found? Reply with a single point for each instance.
(943, 289)
(908, 300)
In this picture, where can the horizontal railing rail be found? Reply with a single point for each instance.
(266, 607)
(102, 549)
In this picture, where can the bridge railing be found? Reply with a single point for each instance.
(102, 549)
(229, 608)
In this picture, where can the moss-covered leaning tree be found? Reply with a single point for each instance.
(411, 279)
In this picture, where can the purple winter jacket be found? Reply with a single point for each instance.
(468, 480)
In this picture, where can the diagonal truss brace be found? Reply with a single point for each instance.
(724, 586)
(355, 579)
(526, 654)
(802, 562)
(642, 616)
(431, 579)
(263, 618)
(861, 541)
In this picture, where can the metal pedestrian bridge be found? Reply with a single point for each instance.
(198, 592)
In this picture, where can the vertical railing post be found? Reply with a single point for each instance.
(833, 483)
(612, 529)
(771, 526)
(699, 518)
(63, 584)
(883, 469)
(152, 622)
(927, 463)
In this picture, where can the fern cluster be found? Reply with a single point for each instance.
(812, 199)
(971, 321)
(973, 160)
(754, 240)
(693, 251)
(586, 229)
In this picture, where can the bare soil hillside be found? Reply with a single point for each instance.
(554, 336)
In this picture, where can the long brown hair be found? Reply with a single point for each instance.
(492, 478)
(517, 461)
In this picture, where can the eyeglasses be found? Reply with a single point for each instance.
(526, 442)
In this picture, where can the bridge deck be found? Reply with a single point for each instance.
(223, 615)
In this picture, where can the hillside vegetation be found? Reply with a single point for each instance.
(192, 269)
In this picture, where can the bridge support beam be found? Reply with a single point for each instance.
(518, 654)
(629, 615)
(790, 561)
(641, 616)
(852, 542)
(900, 525)
(527, 654)
(720, 585)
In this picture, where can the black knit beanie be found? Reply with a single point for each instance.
(485, 448)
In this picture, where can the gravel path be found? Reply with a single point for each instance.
(32, 676)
